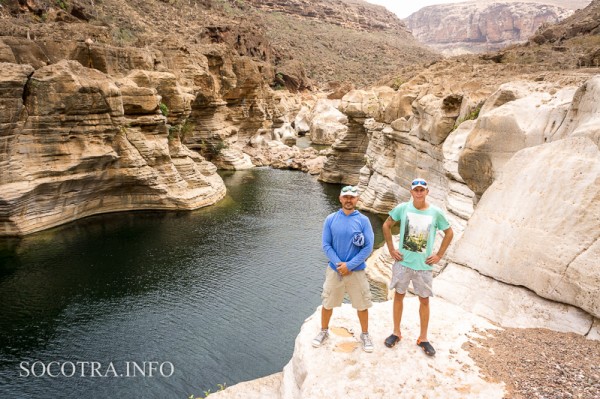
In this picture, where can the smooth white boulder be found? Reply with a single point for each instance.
(537, 226)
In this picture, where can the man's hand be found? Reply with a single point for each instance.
(433, 259)
(342, 269)
(397, 255)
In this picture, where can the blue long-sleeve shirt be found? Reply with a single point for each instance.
(342, 239)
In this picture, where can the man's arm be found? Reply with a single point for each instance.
(435, 258)
(387, 235)
(327, 243)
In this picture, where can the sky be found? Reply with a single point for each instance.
(403, 8)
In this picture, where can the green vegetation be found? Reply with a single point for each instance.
(123, 36)
(211, 150)
(62, 4)
(397, 83)
(279, 82)
(228, 9)
(163, 109)
(474, 114)
(221, 387)
(181, 130)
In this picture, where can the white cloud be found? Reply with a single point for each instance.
(403, 8)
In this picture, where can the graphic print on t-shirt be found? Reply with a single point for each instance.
(417, 232)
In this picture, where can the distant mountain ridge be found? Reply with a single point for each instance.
(475, 27)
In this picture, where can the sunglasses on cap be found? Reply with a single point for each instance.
(350, 189)
(419, 183)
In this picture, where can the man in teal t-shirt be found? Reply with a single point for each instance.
(419, 223)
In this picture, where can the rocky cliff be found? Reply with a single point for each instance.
(477, 27)
(485, 146)
(91, 127)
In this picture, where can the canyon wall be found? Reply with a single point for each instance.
(90, 128)
(476, 27)
(516, 165)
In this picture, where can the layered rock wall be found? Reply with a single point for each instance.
(346, 160)
(110, 128)
(77, 146)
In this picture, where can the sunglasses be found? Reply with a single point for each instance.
(419, 182)
(351, 189)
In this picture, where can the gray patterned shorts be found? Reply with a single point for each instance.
(422, 280)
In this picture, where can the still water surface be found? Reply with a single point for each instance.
(219, 293)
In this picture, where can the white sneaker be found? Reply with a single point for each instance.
(320, 338)
(366, 342)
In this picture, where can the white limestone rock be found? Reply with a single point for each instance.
(302, 120)
(317, 372)
(537, 225)
(286, 134)
(507, 305)
(325, 130)
(595, 330)
(436, 117)
(327, 122)
(460, 198)
(517, 116)
(367, 104)
(583, 117)
(233, 159)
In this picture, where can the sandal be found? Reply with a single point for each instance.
(391, 340)
(426, 346)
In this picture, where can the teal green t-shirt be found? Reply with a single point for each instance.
(417, 233)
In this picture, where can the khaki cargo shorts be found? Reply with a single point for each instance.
(355, 284)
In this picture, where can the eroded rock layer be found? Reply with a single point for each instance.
(79, 145)
(91, 128)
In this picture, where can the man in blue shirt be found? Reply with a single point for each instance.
(419, 222)
(347, 241)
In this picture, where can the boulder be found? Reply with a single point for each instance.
(286, 134)
(367, 104)
(339, 89)
(583, 116)
(302, 120)
(518, 115)
(327, 123)
(538, 224)
(233, 159)
(508, 305)
(436, 117)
